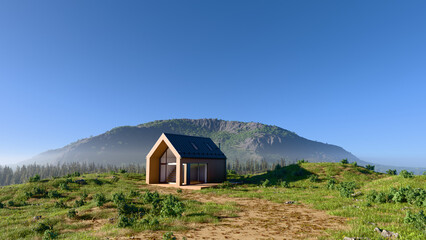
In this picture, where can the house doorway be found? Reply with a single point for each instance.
(197, 173)
(168, 167)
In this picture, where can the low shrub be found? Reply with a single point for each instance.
(41, 227)
(118, 198)
(95, 181)
(115, 179)
(301, 161)
(72, 213)
(415, 196)
(1, 205)
(36, 178)
(60, 204)
(331, 184)
(10, 203)
(370, 167)
(418, 220)
(151, 223)
(99, 199)
(149, 197)
(49, 235)
(130, 210)
(84, 195)
(391, 171)
(124, 221)
(28, 195)
(283, 184)
(64, 186)
(313, 178)
(135, 193)
(355, 164)
(346, 188)
(406, 174)
(344, 161)
(40, 192)
(79, 203)
(265, 183)
(122, 171)
(169, 236)
(54, 194)
(171, 206)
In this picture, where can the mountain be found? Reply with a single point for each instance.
(242, 140)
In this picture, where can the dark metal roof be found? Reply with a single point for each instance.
(195, 147)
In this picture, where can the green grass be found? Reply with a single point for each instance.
(17, 221)
(359, 213)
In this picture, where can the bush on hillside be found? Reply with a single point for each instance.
(79, 203)
(124, 221)
(171, 206)
(391, 171)
(99, 199)
(347, 188)
(49, 235)
(406, 174)
(72, 213)
(169, 236)
(418, 220)
(265, 183)
(41, 227)
(370, 167)
(41, 192)
(134, 194)
(36, 178)
(344, 161)
(60, 204)
(331, 184)
(415, 196)
(301, 161)
(64, 186)
(313, 178)
(283, 184)
(54, 194)
(118, 198)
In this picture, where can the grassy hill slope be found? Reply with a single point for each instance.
(366, 200)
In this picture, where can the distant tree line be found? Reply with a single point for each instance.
(22, 174)
(253, 166)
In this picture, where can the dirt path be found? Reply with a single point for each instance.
(258, 219)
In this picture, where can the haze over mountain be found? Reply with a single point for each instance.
(238, 140)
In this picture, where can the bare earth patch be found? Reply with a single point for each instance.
(258, 219)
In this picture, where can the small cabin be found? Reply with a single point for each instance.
(185, 160)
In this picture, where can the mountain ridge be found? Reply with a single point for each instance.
(239, 140)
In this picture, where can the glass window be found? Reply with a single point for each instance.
(163, 158)
(170, 156)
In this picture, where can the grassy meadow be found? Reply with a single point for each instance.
(107, 205)
(120, 204)
(317, 185)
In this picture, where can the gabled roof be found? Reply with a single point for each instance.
(194, 147)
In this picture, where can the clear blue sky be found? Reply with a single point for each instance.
(350, 73)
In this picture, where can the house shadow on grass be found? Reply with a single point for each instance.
(291, 173)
